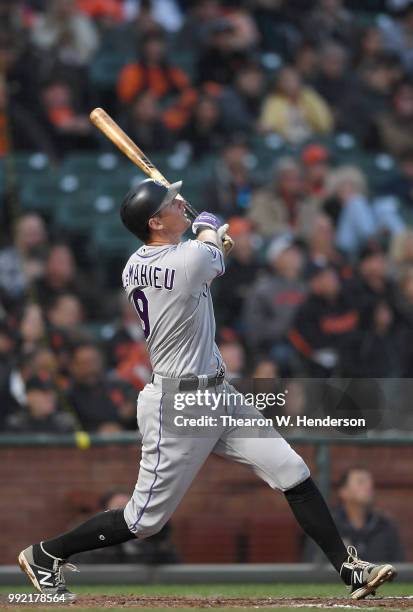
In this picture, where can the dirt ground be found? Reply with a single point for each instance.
(129, 601)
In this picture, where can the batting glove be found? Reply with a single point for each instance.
(226, 241)
(205, 220)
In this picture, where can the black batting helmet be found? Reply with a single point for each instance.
(143, 202)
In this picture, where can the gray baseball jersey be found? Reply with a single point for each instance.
(169, 287)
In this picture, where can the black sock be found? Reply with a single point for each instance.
(312, 513)
(103, 529)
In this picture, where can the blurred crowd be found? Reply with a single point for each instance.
(320, 282)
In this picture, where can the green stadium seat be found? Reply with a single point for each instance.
(39, 193)
(105, 67)
(30, 164)
(111, 240)
(95, 163)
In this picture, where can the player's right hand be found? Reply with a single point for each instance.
(227, 242)
(205, 220)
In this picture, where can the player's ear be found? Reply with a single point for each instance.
(155, 223)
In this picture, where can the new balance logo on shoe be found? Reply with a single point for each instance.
(358, 577)
(45, 580)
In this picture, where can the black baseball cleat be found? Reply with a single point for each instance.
(47, 577)
(363, 577)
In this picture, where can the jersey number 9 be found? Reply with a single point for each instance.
(140, 302)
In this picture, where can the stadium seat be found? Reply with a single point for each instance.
(39, 193)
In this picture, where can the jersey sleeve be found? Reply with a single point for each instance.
(202, 261)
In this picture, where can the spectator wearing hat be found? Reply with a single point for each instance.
(324, 325)
(243, 269)
(316, 163)
(281, 206)
(41, 413)
(293, 110)
(274, 299)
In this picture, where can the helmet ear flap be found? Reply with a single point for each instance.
(140, 204)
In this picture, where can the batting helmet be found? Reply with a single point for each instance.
(144, 202)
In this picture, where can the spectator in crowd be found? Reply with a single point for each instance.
(368, 97)
(8, 352)
(281, 206)
(205, 130)
(241, 101)
(397, 33)
(306, 61)
(330, 20)
(243, 268)
(380, 348)
(373, 283)
(234, 358)
(273, 301)
(404, 308)
(41, 413)
(400, 186)
(99, 404)
(369, 46)
(321, 246)
(228, 191)
(196, 27)
(401, 252)
(294, 110)
(393, 129)
(324, 326)
(316, 162)
(374, 535)
(13, 390)
(166, 13)
(20, 130)
(32, 328)
(65, 314)
(63, 32)
(155, 550)
(22, 263)
(154, 73)
(67, 125)
(219, 59)
(61, 276)
(333, 80)
(144, 123)
(348, 207)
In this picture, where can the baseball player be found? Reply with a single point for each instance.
(168, 281)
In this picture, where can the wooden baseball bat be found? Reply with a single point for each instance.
(100, 118)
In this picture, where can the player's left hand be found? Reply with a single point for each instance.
(205, 220)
